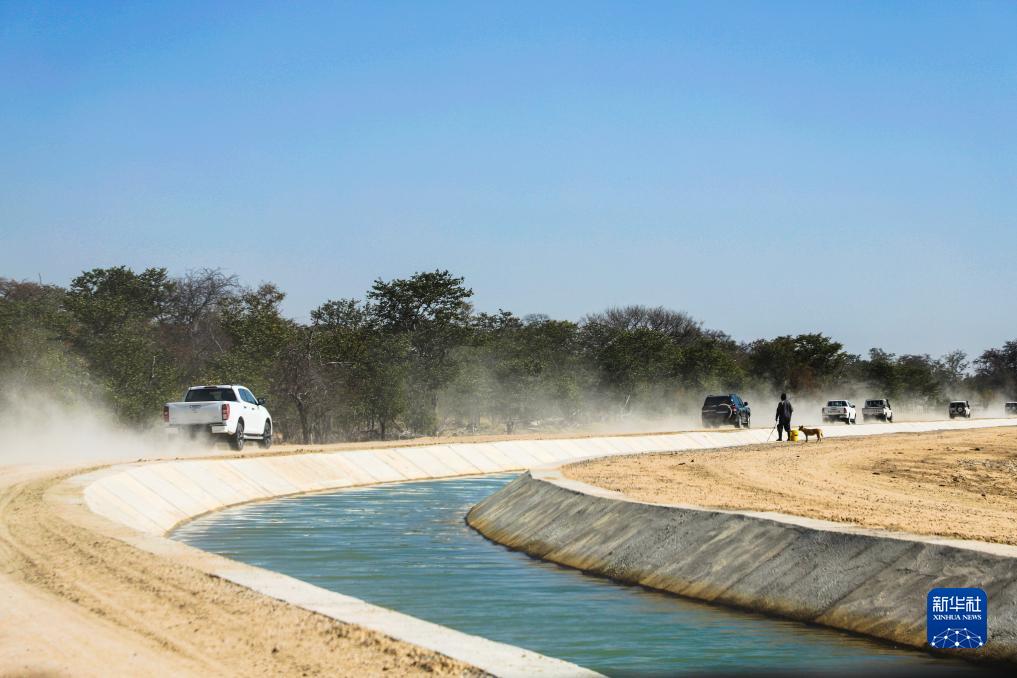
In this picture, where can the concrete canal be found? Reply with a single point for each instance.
(406, 547)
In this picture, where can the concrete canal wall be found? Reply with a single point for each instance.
(865, 581)
(153, 497)
(139, 503)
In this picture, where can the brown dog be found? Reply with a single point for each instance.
(818, 432)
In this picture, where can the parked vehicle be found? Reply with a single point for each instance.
(720, 410)
(227, 410)
(960, 408)
(840, 410)
(878, 409)
(1010, 409)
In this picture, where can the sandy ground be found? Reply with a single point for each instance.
(74, 602)
(904, 481)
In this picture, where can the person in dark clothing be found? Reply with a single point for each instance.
(784, 411)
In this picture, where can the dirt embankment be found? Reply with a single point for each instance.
(80, 603)
(960, 484)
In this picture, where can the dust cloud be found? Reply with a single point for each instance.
(61, 429)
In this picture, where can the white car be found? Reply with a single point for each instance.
(840, 410)
(960, 408)
(878, 408)
(227, 410)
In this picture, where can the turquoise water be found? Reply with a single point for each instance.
(407, 547)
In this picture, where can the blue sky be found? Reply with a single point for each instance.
(769, 167)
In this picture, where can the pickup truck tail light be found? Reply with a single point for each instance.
(165, 413)
(225, 411)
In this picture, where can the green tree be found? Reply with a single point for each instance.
(116, 315)
(535, 370)
(263, 351)
(803, 363)
(996, 370)
(34, 358)
(366, 364)
(432, 312)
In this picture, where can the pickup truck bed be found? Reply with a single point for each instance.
(229, 411)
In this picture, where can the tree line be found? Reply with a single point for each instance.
(413, 357)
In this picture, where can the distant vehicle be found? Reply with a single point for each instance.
(840, 410)
(228, 410)
(1010, 409)
(720, 410)
(879, 409)
(960, 408)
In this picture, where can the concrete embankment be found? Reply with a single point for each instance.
(139, 503)
(864, 581)
(153, 497)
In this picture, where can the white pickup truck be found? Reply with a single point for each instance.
(877, 409)
(840, 410)
(226, 410)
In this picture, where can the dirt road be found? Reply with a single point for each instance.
(960, 484)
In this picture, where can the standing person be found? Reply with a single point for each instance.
(784, 411)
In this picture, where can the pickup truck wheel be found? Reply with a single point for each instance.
(266, 436)
(238, 437)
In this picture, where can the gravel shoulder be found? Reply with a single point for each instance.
(957, 484)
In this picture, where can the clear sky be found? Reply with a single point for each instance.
(769, 167)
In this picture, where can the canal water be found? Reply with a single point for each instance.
(406, 547)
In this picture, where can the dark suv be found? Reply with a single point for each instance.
(719, 410)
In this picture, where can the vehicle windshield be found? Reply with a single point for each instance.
(874, 403)
(713, 401)
(210, 394)
(837, 403)
(959, 402)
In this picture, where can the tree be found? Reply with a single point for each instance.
(432, 311)
(192, 326)
(996, 370)
(675, 324)
(920, 378)
(711, 362)
(115, 327)
(535, 369)
(881, 372)
(261, 345)
(802, 363)
(33, 356)
(365, 363)
(635, 360)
